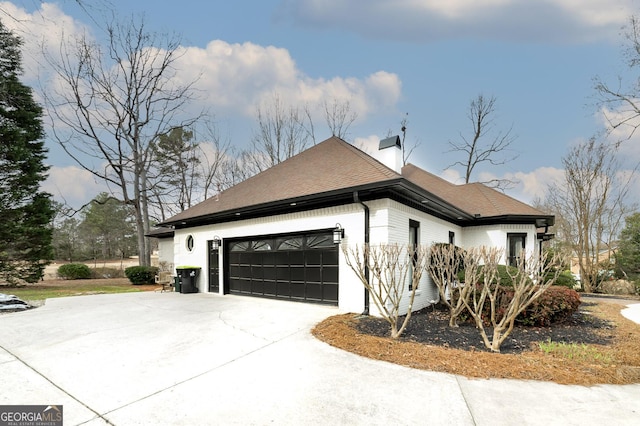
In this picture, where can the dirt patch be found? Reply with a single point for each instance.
(604, 347)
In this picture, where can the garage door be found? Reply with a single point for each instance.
(293, 267)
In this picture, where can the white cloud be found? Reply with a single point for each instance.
(369, 144)
(452, 176)
(534, 184)
(241, 76)
(627, 132)
(73, 185)
(40, 30)
(426, 20)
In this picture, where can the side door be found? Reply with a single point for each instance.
(214, 268)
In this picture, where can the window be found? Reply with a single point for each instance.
(414, 240)
(515, 246)
(452, 238)
(291, 243)
(189, 243)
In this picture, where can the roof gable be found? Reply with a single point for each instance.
(331, 171)
(473, 198)
(328, 166)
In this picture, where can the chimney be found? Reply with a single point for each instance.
(390, 153)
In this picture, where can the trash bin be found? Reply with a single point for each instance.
(188, 276)
(176, 284)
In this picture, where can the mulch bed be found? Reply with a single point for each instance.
(431, 326)
(604, 347)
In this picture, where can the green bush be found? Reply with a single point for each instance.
(139, 275)
(555, 305)
(504, 279)
(565, 279)
(74, 271)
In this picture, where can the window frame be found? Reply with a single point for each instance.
(512, 238)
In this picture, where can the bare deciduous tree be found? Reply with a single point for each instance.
(622, 109)
(282, 133)
(113, 103)
(486, 144)
(339, 117)
(592, 198)
(186, 170)
(393, 269)
(445, 261)
(530, 279)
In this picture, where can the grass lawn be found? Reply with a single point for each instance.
(62, 288)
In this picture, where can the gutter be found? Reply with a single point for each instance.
(356, 199)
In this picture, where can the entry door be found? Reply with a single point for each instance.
(214, 269)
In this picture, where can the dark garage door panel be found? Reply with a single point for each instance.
(305, 274)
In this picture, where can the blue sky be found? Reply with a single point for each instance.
(424, 58)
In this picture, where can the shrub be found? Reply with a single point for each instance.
(505, 274)
(74, 271)
(101, 273)
(139, 275)
(566, 279)
(555, 305)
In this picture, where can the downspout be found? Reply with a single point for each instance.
(356, 199)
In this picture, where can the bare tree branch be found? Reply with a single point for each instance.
(475, 150)
(114, 101)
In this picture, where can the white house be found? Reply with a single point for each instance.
(273, 234)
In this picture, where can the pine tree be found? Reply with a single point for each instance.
(26, 211)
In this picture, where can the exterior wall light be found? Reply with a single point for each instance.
(338, 234)
(215, 244)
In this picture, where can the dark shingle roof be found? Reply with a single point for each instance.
(472, 198)
(328, 166)
(334, 166)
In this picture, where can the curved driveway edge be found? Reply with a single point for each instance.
(183, 359)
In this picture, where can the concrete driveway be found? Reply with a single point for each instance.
(187, 359)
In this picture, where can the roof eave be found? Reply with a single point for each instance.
(400, 189)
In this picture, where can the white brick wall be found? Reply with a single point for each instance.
(389, 222)
(496, 236)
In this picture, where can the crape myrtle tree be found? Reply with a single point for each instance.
(26, 211)
(113, 102)
(482, 292)
(391, 273)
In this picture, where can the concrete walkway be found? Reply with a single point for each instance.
(200, 359)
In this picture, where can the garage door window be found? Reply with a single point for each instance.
(294, 243)
(320, 241)
(295, 267)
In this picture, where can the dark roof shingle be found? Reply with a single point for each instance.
(328, 166)
(335, 165)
